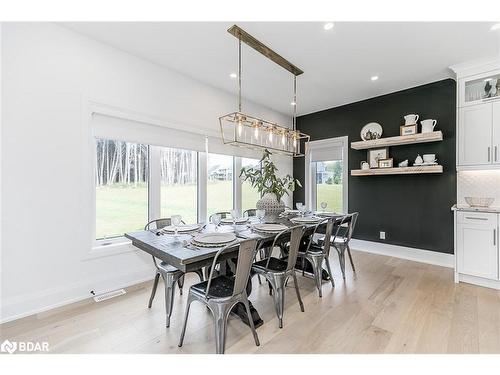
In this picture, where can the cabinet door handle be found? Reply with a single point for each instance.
(476, 218)
(495, 153)
(489, 149)
(494, 237)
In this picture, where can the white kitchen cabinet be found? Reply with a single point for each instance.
(477, 245)
(475, 130)
(496, 132)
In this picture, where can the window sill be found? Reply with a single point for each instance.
(104, 248)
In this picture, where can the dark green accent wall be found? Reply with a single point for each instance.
(413, 210)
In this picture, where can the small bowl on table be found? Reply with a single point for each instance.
(479, 202)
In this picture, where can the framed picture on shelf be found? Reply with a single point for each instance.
(385, 163)
(408, 129)
(376, 154)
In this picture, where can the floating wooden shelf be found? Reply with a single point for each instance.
(398, 141)
(404, 170)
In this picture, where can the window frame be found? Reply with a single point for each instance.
(310, 170)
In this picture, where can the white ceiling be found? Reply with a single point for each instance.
(338, 63)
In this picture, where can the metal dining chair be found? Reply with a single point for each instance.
(341, 242)
(169, 274)
(221, 293)
(277, 271)
(318, 253)
(250, 212)
(223, 215)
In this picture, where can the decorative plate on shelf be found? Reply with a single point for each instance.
(372, 130)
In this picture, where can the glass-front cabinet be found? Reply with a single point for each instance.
(480, 88)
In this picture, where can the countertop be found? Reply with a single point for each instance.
(464, 207)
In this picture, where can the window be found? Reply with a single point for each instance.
(249, 194)
(179, 189)
(219, 183)
(326, 174)
(329, 185)
(121, 178)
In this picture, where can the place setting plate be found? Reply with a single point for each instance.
(213, 239)
(326, 214)
(269, 227)
(306, 220)
(230, 220)
(184, 228)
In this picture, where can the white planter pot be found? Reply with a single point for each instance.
(270, 204)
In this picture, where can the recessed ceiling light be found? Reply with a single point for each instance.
(495, 27)
(293, 103)
(374, 78)
(233, 75)
(328, 26)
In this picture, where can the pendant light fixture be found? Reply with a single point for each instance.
(240, 129)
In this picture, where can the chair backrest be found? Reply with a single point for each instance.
(223, 215)
(341, 231)
(352, 223)
(250, 212)
(246, 254)
(328, 234)
(158, 223)
(295, 236)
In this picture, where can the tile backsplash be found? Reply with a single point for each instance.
(478, 184)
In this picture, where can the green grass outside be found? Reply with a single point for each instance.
(331, 194)
(120, 209)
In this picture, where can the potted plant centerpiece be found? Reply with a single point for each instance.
(271, 187)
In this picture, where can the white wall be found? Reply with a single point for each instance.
(48, 75)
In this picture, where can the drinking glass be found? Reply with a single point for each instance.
(216, 220)
(260, 215)
(299, 206)
(323, 206)
(234, 215)
(176, 221)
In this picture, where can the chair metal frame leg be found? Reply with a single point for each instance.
(153, 292)
(330, 273)
(296, 284)
(169, 279)
(350, 258)
(186, 316)
(252, 326)
(341, 253)
(317, 264)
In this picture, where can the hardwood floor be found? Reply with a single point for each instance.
(390, 306)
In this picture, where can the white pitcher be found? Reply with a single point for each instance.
(428, 125)
(410, 119)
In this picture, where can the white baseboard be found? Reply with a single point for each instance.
(494, 284)
(31, 304)
(410, 253)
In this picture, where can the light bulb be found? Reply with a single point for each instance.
(283, 139)
(294, 142)
(256, 132)
(240, 128)
(271, 136)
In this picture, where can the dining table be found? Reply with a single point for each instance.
(178, 251)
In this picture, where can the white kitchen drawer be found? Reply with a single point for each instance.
(479, 218)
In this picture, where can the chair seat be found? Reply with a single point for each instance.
(313, 249)
(275, 264)
(168, 268)
(220, 287)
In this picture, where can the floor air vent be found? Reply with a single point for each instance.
(108, 295)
